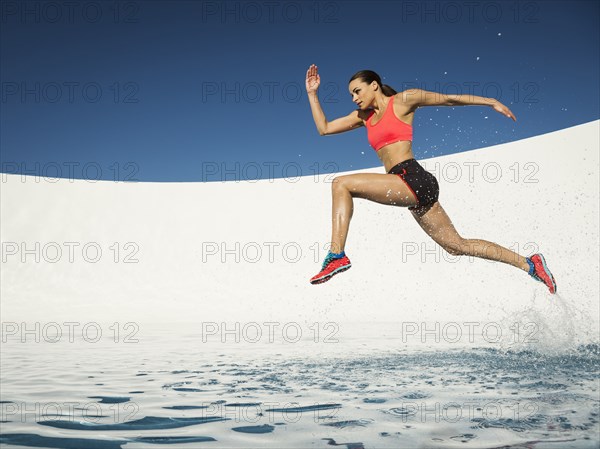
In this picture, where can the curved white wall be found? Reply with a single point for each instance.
(171, 223)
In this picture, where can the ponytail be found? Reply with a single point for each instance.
(368, 76)
(388, 91)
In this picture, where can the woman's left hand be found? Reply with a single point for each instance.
(503, 110)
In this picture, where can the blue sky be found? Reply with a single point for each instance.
(210, 91)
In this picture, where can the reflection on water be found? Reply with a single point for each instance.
(365, 388)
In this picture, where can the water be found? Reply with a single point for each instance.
(348, 385)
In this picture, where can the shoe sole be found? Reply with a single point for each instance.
(330, 275)
(548, 273)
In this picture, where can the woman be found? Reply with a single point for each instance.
(388, 117)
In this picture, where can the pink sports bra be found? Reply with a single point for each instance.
(391, 130)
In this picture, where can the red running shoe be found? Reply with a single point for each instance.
(331, 266)
(540, 272)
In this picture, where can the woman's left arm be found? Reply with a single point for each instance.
(416, 98)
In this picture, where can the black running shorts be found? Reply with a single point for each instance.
(423, 184)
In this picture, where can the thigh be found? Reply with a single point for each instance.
(387, 189)
(436, 223)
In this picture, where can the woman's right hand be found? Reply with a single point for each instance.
(312, 79)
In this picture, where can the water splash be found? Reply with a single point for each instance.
(550, 325)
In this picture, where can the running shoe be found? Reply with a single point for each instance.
(331, 266)
(540, 272)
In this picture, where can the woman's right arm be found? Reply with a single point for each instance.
(340, 125)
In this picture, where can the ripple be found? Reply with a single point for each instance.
(33, 440)
(415, 395)
(331, 442)
(148, 422)
(265, 428)
(401, 411)
(173, 440)
(309, 408)
(349, 423)
(185, 407)
(110, 399)
(242, 404)
(464, 438)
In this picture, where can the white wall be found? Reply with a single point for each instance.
(169, 222)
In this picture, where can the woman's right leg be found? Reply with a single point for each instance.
(436, 223)
(381, 188)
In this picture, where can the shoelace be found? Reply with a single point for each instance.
(328, 259)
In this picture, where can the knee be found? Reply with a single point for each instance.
(340, 182)
(456, 247)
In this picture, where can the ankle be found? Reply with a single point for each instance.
(530, 266)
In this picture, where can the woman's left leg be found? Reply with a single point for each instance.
(436, 223)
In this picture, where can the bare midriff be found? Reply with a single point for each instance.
(394, 153)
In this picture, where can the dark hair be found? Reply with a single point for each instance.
(368, 76)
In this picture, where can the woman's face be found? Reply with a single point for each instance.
(362, 93)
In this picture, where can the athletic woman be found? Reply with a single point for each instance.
(388, 117)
